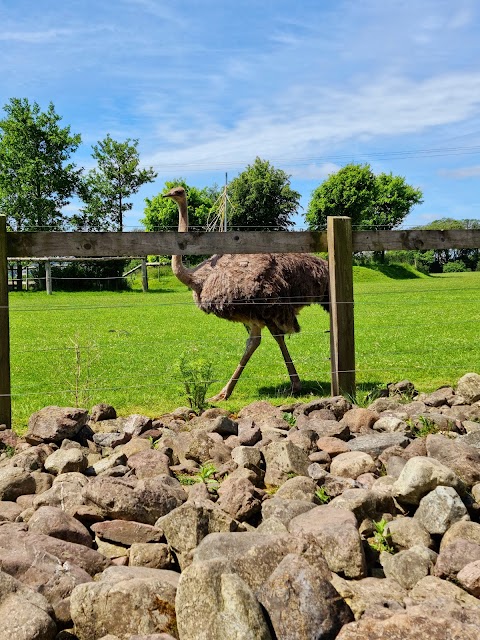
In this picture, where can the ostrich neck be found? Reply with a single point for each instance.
(179, 269)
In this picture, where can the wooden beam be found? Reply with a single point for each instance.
(76, 244)
(144, 275)
(342, 334)
(48, 277)
(5, 389)
(416, 239)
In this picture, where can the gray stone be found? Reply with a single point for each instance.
(461, 458)
(439, 509)
(214, 603)
(408, 532)
(15, 482)
(410, 566)
(282, 459)
(149, 463)
(328, 525)
(376, 443)
(469, 578)
(283, 509)
(421, 475)
(352, 464)
(364, 594)
(390, 424)
(301, 603)
(120, 607)
(469, 387)
(454, 556)
(365, 503)
(66, 461)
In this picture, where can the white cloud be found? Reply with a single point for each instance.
(461, 172)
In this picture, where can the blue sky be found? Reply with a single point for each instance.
(208, 85)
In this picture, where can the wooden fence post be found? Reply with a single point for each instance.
(144, 275)
(342, 335)
(5, 390)
(48, 277)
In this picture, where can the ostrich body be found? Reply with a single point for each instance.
(258, 290)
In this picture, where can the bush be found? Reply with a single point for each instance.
(455, 267)
(104, 275)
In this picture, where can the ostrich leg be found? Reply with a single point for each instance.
(253, 341)
(292, 372)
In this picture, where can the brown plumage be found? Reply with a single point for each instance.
(259, 290)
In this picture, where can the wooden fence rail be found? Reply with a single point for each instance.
(338, 240)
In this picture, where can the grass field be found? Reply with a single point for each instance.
(124, 348)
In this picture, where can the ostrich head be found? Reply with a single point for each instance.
(177, 193)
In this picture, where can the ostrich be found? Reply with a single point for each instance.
(258, 290)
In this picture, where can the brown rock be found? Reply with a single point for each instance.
(57, 523)
(54, 424)
(126, 532)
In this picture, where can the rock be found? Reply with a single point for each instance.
(426, 621)
(390, 424)
(264, 414)
(461, 529)
(454, 556)
(149, 463)
(421, 475)
(352, 464)
(247, 457)
(284, 510)
(15, 482)
(148, 554)
(282, 459)
(461, 458)
(360, 420)
(238, 498)
(254, 556)
(301, 603)
(432, 587)
(469, 387)
(25, 615)
(65, 493)
(143, 500)
(305, 439)
(332, 446)
(66, 461)
(365, 503)
(124, 607)
(127, 533)
(469, 578)
(137, 424)
(408, 532)
(328, 525)
(298, 488)
(12, 538)
(190, 523)
(376, 443)
(364, 594)
(248, 432)
(59, 524)
(9, 511)
(54, 424)
(214, 603)
(439, 509)
(410, 566)
(102, 411)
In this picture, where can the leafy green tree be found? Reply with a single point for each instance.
(470, 257)
(261, 198)
(370, 200)
(161, 214)
(106, 189)
(36, 178)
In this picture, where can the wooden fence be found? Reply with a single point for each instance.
(338, 240)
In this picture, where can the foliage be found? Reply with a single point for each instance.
(322, 495)
(369, 200)
(36, 179)
(441, 257)
(106, 189)
(290, 418)
(161, 214)
(197, 375)
(9, 451)
(381, 538)
(205, 474)
(104, 275)
(456, 266)
(261, 198)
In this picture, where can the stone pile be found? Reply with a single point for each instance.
(316, 520)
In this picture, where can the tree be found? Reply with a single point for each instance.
(161, 214)
(261, 198)
(470, 257)
(106, 189)
(36, 179)
(369, 200)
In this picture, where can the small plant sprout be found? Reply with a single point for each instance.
(322, 496)
(422, 426)
(197, 376)
(381, 537)
(288, 417)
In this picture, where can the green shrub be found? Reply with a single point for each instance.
(454, 267)
(197, 376)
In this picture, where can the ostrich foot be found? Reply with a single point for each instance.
(219, 397)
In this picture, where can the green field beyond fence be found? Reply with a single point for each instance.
(124, 348)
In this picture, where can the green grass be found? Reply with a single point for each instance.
(421, 328)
